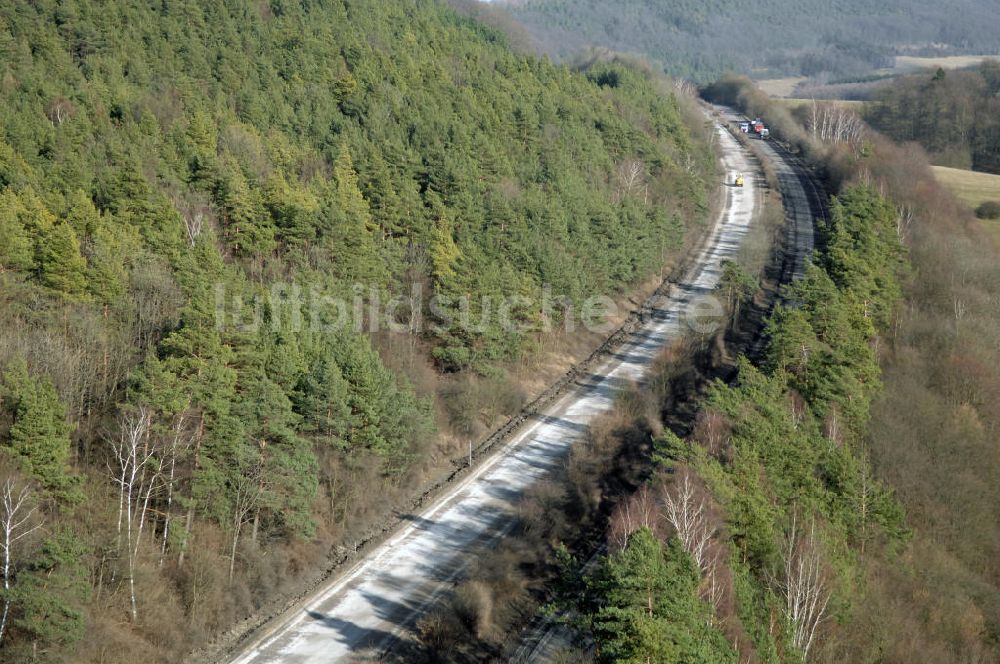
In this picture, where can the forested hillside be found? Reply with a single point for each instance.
(954, 115)
(700, 40)
(187, 190)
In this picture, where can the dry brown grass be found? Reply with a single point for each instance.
(972, 188)
(780, 87)
(908, 63)
(795, 102)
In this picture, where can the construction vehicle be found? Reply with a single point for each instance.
(739, 180)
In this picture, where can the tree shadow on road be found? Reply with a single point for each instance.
(356, 637)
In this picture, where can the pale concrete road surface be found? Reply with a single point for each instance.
(359, 614)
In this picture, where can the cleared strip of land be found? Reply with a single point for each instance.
(793, 102)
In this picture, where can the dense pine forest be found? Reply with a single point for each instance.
(701, 40)
(188, 190)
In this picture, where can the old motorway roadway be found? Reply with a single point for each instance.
(358, 614)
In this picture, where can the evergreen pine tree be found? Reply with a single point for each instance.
(793, 345)
(39, 436)
(50, 595)
(370, 392)
(321, 398)
(648, 608)
(388, 208)
(81, 214)
(60, 263)
(249, 230)
(444, 252)
(15, 244)
(354, 237)
(294, 210)
(34, 214)
(289, 469)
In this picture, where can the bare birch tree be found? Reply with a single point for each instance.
(833, 427)
(58, 110)
(195, 212)
(636, 512)
(180, 443)
(714, 431)
(17, 521)
(136, 471)
(866, 495)
(686, 88)
(194, 221)
(248, 490)
(687, 509)
(804, 587)
(834, 123)
(904, 219)
(688, 514)
(631, 176)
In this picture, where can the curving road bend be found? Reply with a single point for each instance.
(359, 614)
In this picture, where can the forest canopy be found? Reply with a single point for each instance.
(171, 174)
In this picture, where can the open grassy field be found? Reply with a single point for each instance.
(793, 102)
(972, 188)
(907, 63)
(780, 87)
(785, 88)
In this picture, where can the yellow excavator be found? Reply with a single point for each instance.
(739, 180)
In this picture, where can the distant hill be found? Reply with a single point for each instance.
(698, 39)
